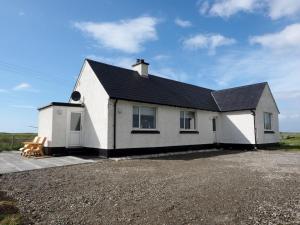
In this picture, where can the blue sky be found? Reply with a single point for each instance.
(215, 44)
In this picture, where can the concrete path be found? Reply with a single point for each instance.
(12, 161)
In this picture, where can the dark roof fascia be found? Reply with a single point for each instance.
(183, 107)
(180, 106)
(61, 104)
(271, 96)
(154, 103)
(238, 110)
(79, 75)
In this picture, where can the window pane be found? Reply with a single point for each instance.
(147, 117)
(75, 121)
(181, 120)
(190, 120)
(135, 117)
(267, 121)
(214, 124)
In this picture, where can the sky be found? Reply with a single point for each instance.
(215, 44)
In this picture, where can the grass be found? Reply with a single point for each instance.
(290, 141)
(13, 141)
(9, 213)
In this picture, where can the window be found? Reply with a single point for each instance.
(187, 120)
(267, 121)
(144, 117)
(214, 126)
(75, 121)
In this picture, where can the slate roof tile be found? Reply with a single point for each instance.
(121, 83)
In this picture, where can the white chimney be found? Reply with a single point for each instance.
(141, 67)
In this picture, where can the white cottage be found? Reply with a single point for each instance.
(115, 111)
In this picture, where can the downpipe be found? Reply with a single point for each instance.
(255, 129)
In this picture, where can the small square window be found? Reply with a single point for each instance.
(144, 117)
(75, 121)
(187, 120)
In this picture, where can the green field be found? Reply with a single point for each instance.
(13, 141)
(290, 141)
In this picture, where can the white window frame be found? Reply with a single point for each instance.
(271, 115)
(139, 110)
(195, 119)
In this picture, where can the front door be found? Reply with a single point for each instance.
(75, 129)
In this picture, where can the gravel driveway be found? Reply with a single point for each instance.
(260, 187)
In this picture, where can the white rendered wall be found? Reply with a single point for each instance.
(54, 124)
(167, 123)
(95, 99)
(237, 127)
(59, 126)
(267, 104)
(45, 125)
(142, 69)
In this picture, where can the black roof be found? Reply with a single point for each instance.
(121, 83)
(239, 98)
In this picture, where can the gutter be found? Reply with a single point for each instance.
(115, 123)
(254, 116)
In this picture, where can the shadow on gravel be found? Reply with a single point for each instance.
(198, 155)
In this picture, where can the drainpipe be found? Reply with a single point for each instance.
(254, 119)
(115, 123)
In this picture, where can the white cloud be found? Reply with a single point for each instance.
(207, 41)
(280, 70)
(183, 23)
(227, 8)
(287, 39)
(283, 8)
(22, 86)
(275, 9)
(125, 35)
(203, 7)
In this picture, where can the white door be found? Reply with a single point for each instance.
(75, 129)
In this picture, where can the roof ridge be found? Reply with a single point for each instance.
(212, 94)
(109, 64)
(151, 75)
(243, 86)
